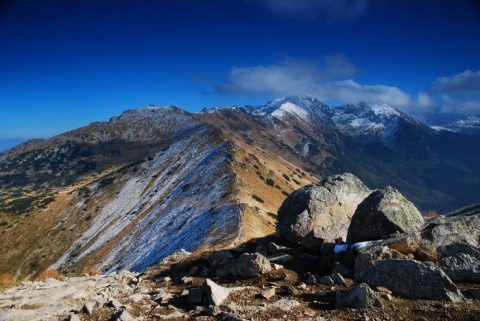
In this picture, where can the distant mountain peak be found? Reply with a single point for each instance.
(467, 126)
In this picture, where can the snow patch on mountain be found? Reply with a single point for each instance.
(384, 110)
(467, 126)
(292, 109)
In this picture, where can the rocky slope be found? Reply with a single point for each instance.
(407, 268)
(437, 170)
(126, 193)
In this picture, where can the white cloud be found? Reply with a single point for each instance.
(330, 80)
(464, 83)
(349, 91)
(293, 77)
(260, 80)
(424, 100)
(467, 108)
(289, 77)
(332, 10)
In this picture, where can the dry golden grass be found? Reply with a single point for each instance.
(92, 271)
(7, 280)
(430, 214)
(49, 274)
(262, 187)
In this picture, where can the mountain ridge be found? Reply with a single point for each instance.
(126, 193)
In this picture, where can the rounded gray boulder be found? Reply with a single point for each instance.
(325, 208)
(381, 214)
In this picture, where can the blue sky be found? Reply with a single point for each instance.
(65, 63)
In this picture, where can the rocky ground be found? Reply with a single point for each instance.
(291, 290)
(395, 265)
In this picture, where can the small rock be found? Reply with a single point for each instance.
(137, 297)
(213, 310)
(166, 279)
(268, 293)
(311, 280)
(125, 316)
(309, 313)
(285, 305)
(387, 296)
(187, 280)
(252, 265)
(342, 270)
(326, 280)
(280, 258)
(262, 249)
(302, 286)
(337, 278)
(88, 307)
(74, 317)
(115, 303)
(274, 248)
(289, 290)
(475, 292)
(173, 316)
(215, 293)
(319, 293)
(227, 317)
(163, 297)
(284, 275)
(195, 296)
(221, 258)
(276, 266)
(359, 297)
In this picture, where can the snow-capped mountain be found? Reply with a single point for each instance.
(304, 108)
(467, 126)
(128, 192)
(367, 122)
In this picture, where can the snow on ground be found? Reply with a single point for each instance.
(171, 202)
(292, 109)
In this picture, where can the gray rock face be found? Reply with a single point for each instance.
(458, 247)
(460, 226)
(326, 208)
(461, 267)
(367, 258)
(360, 297)
(413, 280)
(382, 213)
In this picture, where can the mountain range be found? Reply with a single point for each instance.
(126, 193)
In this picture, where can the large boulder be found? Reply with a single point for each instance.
(461, 267)
(461, 226)
(383, 213)
(367, 257)
(325, 208)
(413, 280)
(458, 247)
